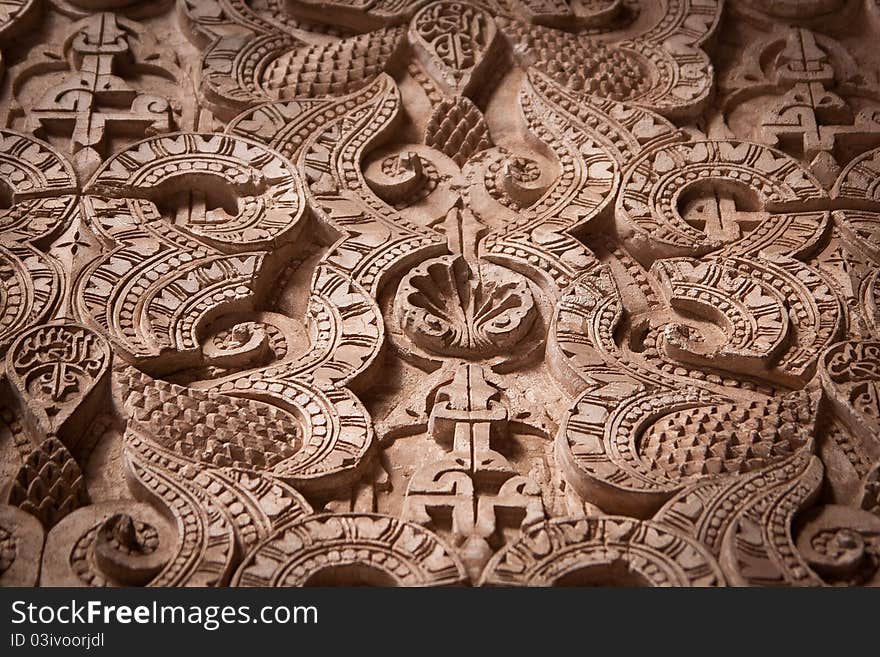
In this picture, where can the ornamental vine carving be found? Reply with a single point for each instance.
(439, 293)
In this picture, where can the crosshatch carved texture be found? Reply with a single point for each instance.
(478, 292)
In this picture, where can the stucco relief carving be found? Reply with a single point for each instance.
(439, 293)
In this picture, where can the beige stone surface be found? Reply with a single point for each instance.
(495, 292)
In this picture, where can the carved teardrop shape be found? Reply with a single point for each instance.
(58, 370)
(454, 41)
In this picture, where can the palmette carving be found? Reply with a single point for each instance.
(439, 293)
(446, 307)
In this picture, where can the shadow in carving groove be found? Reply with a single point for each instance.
(616, 573)
(350, 575)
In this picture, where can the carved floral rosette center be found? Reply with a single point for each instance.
(449, 307)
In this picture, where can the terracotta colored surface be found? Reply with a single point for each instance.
(512, 292)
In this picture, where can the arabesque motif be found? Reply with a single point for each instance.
(440, 293)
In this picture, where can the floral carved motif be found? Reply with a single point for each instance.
(439, 293)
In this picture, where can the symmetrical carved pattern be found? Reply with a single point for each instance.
(440, 293)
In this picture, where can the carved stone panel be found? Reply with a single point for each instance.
(440, 293)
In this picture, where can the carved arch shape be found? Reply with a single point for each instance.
(172, 271)
(628, 441)
(603, 551)
(361, 548)
(778, 314)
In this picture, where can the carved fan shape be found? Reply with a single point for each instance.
(451, 308)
